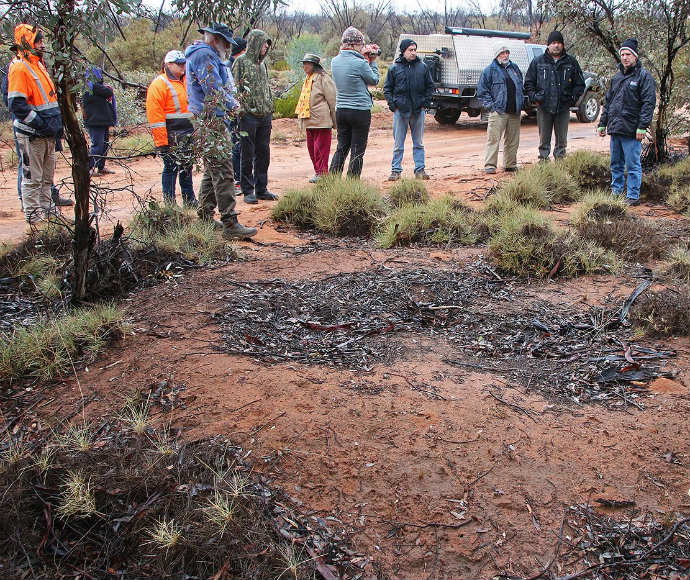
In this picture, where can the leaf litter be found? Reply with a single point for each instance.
(358, 320)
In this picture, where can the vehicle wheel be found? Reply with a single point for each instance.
(588, 111)
(474, 112)
(447, 116)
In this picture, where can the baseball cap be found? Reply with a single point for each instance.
(176, 56)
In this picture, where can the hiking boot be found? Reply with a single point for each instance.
(490, 170)
(58, 199)
(631, 201)
(394, 176)
(105, 171)
(266, 196)
(511, 169)
(421, 175)
(250, 198)
(236, 231)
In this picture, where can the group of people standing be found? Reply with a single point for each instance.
(554, 83)
(224, 82)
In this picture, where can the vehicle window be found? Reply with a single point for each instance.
(537, 51)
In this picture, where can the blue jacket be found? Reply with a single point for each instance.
(409, 86)
(207, 74)
(492, 92)
(352, 74)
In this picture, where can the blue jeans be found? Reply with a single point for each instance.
(625, 154)
(100, 137)
(401, 121)
(170, 172)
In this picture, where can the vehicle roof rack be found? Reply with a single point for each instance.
(484, 32)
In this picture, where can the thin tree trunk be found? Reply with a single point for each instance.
(83, 240)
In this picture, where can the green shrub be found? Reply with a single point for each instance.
(138, 144)
(280, 65)
(600, 206)
(298, 47)
(440, 222)
(408, 191)
(679, 199)
(285, 105)
(539, 186)
(526, 245)
(50, 349)
(336, 206)
(590, 170)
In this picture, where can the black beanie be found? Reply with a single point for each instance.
(555, 36)
(406, 43)
(631, 45)
(239, 46)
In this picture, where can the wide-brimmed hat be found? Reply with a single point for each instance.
(313, 58)
(220, 30)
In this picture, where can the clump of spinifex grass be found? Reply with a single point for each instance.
(526, 245)
(589, 170)
(43, 272)
(598, 206)
(658, 184)
(336, 206)
(51, 348)
(443, 221)
(540, 186)
(408, 192)
(663, 313)
(678, 262)
(679, 199)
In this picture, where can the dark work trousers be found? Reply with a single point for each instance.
(171, 171)
(353, 133)
(557, 124)
(236, 150)
(255, 145)
(100, 137)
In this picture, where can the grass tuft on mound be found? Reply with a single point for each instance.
(679, 199)
(539, 186)
(526, 245)
(335, 206)
(663, 313)
(678, 262)
(408, 192)
(589, 170)
(49, 349)
(443, 221)
(598, 206)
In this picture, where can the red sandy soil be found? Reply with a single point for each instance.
(377, 461)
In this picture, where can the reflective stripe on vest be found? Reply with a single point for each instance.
(38, 82)
(176, 100)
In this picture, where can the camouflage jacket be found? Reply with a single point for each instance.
(251, 77)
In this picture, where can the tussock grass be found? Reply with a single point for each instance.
(633, 239)
(657, 185)
(589, 170)
(79, 438)
(220, 511)
(336, 206)
(136, 417)
(678, 262)
(675, 173)
(77, 499)
(679, 199)
(408, 192)
(598, 206)
(43, 271)
(540, 186)
(663, 313)
(49, 349)
(443, 221)
(526, 245)
(165, 533)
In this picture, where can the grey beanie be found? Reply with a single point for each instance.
(499, 48)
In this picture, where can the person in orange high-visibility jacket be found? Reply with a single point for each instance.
(32, 99)
(171, 125)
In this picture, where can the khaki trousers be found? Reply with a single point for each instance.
(500, 124)
(218, 189)
(38, 168)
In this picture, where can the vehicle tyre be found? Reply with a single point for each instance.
(447, 116)
(589, 108)
(474, 112)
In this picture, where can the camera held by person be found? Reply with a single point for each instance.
(371, 51)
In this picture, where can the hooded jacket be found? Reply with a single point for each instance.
(206, 75)
(629, 102)
(167, 109)
(409, 86)
(31, 93)
(555, 84)
(492, 91)
(251, 77)
(97, 101)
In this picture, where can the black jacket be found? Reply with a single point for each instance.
(98, 110)
(409, 86)
(556, 85)
(630, 102)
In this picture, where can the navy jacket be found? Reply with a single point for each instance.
(630, 102)
(555, 84)
(492, 91)
(98, 110)
(409, 86)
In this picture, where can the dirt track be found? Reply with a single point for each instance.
(454, 160)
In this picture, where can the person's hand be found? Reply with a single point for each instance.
(640, 134)
(601, 131)
(371, 52)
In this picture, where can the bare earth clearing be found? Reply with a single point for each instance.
(438, 470)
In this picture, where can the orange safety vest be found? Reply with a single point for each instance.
(29, 82)
(166, 108)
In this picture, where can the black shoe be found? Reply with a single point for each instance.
(631, 201)
(266, 196)
(511, 169)
(250, 198)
